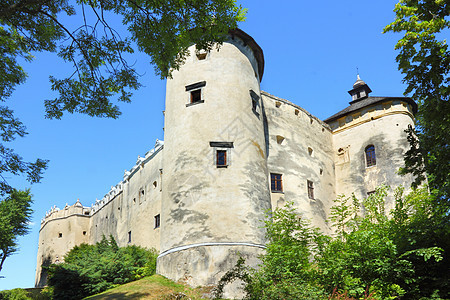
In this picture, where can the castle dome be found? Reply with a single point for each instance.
(359, 82)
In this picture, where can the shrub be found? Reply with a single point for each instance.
(15, 294)
(91, 269)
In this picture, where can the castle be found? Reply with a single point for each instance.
(230, 153)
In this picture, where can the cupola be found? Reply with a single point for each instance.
(360, 90)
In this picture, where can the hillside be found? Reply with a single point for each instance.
(153, 287)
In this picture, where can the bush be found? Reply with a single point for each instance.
(91, 269)
(15, 294)
(373, 255)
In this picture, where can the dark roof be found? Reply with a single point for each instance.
(257, 51)
(356, 105)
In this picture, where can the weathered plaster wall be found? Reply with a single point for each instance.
(61, 231)
(133, 209)
(130, 206)
(382, 125)
(292, 134)
(203, 203)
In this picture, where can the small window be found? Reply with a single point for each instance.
(280, 140)
(255, 102)
(221, 158)
(195, 92)
(60, 235)
(86, 213)
(277, 103)
(276, 182)
(296, 112)
(196, 96)
(155, 184)
(310, 189)
(84, 232)
(310, 151)
(371, 159)
(157, 221)
(129, 236)
(201, 56)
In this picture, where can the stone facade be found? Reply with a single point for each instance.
(231, 153)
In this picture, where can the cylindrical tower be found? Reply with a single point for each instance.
(215, 178)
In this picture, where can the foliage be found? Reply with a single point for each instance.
(15, 294)
(373, 255)
(162, 29)
(15, 215)
(91, 269)
(287, 271)
(102, 77)
(424, 59)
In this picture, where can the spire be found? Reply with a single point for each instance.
(360, 90)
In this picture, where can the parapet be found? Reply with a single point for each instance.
(118, 188)
(56, 213)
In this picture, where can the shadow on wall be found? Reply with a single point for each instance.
(46, 262)
(256, 189)
(389, 158)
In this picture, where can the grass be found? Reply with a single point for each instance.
(152, 287)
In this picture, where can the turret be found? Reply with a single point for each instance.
(61, 230)
(215, 174)
(369, 141)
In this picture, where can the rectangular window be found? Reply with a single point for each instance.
(129, 236)
(310, 189)
(157, 221)
(196, 96)
(221, 158)
(276, 182)
(195, 92)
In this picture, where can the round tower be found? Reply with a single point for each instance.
(215, 178)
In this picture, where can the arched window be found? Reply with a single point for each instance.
(371, 159)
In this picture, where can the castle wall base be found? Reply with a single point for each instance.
(204, 265)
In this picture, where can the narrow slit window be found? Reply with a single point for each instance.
(129, 236)
(255, 102)
(221, 158)
(310, 189)
(276, 182)
(157, 221)
(371, 159)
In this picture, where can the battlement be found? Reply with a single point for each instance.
(118, 188)
(67, 211)
(78, 209)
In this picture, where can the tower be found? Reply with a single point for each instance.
(215, 174)
(369, 140)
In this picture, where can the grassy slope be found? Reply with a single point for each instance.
(153, 287)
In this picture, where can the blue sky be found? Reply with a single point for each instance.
(311, 50)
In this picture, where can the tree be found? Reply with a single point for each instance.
(102, 77)
(15, 214)
(373, 254)
(91, 269)
(424, 59)
(160, 28)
